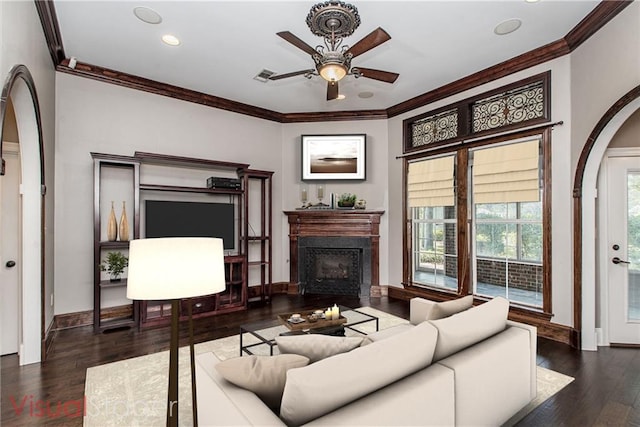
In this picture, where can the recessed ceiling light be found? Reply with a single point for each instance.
(171, 40)
(532, 1)
(508, 26)
(147, 15)
(365, 95)
(341, 96)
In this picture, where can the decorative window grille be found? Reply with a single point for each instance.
(435, 128)
(515, 106)
(510, 107)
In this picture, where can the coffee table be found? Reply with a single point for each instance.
(265, 331)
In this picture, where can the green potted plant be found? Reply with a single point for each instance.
(346, 200)
(114, 265)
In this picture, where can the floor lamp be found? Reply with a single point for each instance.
(174, 268)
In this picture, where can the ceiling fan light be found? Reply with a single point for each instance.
(332, 72)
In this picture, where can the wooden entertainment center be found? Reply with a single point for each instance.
(251, 258)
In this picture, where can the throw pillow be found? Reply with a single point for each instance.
(444, 309)
(316, 347)
(464, 329)
(263, 375)
(335, 381)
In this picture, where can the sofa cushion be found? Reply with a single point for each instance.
(225, 404)
(263, 375)
(316, 347)
(326, 385)
(469, 327)
(386, 333)
(448, 308)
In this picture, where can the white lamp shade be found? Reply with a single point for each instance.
(175, 267)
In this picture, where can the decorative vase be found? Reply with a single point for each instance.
(124, 225)
(112, 226)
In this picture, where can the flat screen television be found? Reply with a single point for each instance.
(191, 219)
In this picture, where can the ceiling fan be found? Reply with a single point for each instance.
(335, 20)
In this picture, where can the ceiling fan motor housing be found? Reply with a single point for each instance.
(333, 18)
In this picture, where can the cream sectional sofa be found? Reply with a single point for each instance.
(471, 368)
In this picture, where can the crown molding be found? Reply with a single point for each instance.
(51, 28)
(131, 81)
(599, 16)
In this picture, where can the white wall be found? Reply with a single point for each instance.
(603, 69)
(374, 189)
(561, 180)
(98, 117)
(22, 42)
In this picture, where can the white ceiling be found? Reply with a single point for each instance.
(224, 44)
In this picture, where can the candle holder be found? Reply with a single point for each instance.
(304, 197)
(320, 195)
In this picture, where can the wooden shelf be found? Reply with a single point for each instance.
(178, 189)
(235, 296)
(164, 159)
(114, 245)
(105, 284)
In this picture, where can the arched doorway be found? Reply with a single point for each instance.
(20, 87)
(584, 217)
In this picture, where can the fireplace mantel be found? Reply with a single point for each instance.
(334, 223)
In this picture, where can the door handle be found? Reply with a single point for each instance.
(10, 264)
(617, 260)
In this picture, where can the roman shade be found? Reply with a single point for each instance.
(430, 182)
(506, 174)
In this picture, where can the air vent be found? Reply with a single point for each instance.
(264, 75)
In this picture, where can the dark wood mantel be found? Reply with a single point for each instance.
(331, 223)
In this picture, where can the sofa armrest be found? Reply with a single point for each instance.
(419, 309)
(533, 342)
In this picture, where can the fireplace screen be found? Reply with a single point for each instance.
(333, 271)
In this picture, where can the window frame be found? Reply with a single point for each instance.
(464, 217)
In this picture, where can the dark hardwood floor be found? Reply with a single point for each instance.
(606, 390)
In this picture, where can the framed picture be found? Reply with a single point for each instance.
(333, 157)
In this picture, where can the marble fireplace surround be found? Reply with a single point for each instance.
(335, 228)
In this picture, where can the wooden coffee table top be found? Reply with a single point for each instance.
(320, 323)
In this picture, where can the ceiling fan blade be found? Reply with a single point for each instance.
(373, 39)
(294, 40)
(292, 74)
(383, 76)
(332, 90)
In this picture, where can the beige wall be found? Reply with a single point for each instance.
(629, 134)
(22, 42)
(99, 117)
(374, 189)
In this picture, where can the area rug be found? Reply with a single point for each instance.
(133, 392)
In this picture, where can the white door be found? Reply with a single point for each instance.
(623, 241)
(9, 249)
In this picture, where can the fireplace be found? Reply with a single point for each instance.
(334, 252)
(334, 265)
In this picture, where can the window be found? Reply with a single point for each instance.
(507, 237)
(431, 193)
(504, 248)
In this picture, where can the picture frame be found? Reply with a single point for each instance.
(334, 157)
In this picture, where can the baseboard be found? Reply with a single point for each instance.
(276, 288)
(85, 318)
(49, 336)
(546, 329)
